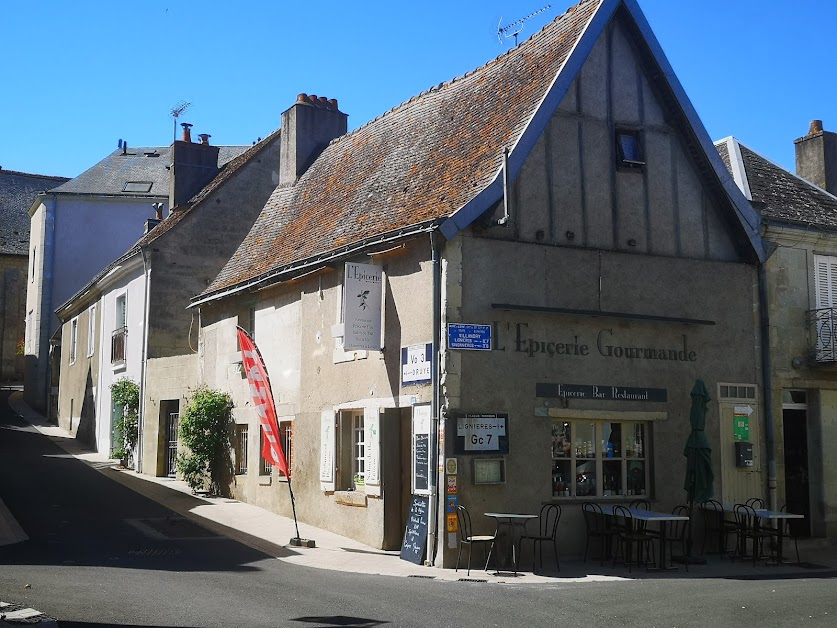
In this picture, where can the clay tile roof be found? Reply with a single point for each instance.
(419, 162)
(781, 196)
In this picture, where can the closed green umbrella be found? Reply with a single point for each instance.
(698, 454)
(698, 451)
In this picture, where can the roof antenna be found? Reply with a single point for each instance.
(516, 27)
(176, 111)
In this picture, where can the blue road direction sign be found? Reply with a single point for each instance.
(472, 337)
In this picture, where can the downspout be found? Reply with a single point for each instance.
(143, 370)
(435, 405)
(767, 384)
(506, 214)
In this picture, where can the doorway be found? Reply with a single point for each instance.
(170, 416)
(395, 452)
(797, 485)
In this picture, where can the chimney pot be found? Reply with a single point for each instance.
(333, 103)
(302, 98)
(187, 134)
(324, 101)
(204, 138)
(816, 127)
(312, 99)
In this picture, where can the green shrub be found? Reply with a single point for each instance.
(125, 395)
(204, 430)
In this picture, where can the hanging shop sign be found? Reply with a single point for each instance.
(601, 392)
(362, 307)
(469, 337)
(482, 433)
(416, 361)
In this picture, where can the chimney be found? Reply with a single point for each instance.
(193, 166)
(307, 128)
(816, 157)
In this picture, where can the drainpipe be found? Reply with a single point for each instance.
(143, 370)
(767, 384)
(435, 405)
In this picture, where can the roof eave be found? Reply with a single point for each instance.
(290, 271)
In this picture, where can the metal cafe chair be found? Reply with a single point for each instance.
(628, 538)
(748, 529)
(597, 528)
(717, 525)
(756, 503)
(547, 533)
(642, 526)
(467, 537)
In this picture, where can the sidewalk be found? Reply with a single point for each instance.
(270, 533)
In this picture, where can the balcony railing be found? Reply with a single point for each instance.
(117, 345)
(823, 325)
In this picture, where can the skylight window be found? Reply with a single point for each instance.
(138, 187)
(629, 149)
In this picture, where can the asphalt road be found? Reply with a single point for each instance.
(101, 555)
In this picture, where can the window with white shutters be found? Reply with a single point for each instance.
(825, 279)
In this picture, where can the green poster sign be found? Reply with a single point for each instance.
(741, 427)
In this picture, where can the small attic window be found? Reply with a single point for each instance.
(629, 149)
(138, 187)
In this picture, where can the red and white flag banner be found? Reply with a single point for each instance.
(263, 402)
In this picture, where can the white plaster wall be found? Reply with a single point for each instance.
(90, 234)
(130, 282)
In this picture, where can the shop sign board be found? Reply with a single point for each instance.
(452, 485)
(416, 362)
(362, 292)
(469, 337)
(741, 428)
(601, 392)
(482, 433)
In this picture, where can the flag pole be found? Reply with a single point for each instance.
(295, 541)
(293, 508)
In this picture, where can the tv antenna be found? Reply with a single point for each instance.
(511, 30)
(176, 111)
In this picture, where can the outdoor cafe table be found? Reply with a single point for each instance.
(763, 514)
(513, 522)
(662, 518)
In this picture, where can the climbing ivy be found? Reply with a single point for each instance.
(204, 431)
(125, 395)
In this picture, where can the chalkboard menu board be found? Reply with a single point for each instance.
(415, 534)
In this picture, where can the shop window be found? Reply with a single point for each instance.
(600, 459)
(241, 434)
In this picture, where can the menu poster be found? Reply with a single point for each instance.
(415, 534)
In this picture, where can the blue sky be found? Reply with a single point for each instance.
(78, 76)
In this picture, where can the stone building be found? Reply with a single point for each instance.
(17, 190)
(499, 294)
(130, 320)
(799, 217)
(78, 228)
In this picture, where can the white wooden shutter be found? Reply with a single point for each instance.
(825, 280)
(372, 438)
(327, 448)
